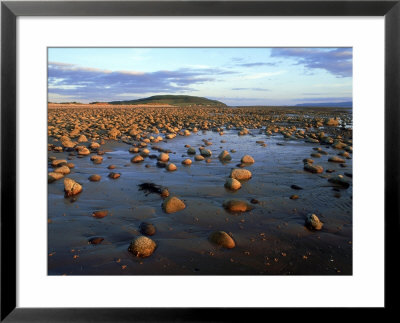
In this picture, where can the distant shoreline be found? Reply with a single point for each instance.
(152, 106)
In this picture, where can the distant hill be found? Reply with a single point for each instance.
(177, 100)
(348, 104)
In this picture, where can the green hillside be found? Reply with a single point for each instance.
(177, 100)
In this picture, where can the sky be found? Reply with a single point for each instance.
(235, 76)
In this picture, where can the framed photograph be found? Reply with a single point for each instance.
(186, 160)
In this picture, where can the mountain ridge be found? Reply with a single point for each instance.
(178, 100)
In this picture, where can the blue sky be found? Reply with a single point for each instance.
(235, 76)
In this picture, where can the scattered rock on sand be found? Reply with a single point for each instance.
(171, 167)
(313, 222)
(296, 187)
(52, 177)
(96, 159)
(62, 170)
(336, 159)
(114, 175)
(294, 197)
(96, 240)
(187, 161)
(205, 152)
(137, 159)
(222, 239)
(225, 156)
(237, 206)
(191, 151)
(147, 228)
(163, 157)
(232, 184)
(240, 174)
(316, 169)
(142, 246)
(94, 178)
(172, 204)
(58, 162)
(247, 159)
(198, 158)
(331, 122)
(339, 180)
(100, 214)
(71, 187)
(83, 151)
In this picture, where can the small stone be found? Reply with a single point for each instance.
(237, 206)
(296, 187)
(171, 167)
(172, 204)
(96, 240)
(83, 151)
(114, 175)
(240, 174)
(247, 159)
(71, 187)
(142, 247)
(222, 239)
(163, 157)
(232, 184)
(187, 161)
(164, 193)
(313, 222)
(100, 214)
(94, 178)
(137, 159)
(339, 180)
(198, 158)
(111, 167)
(52, 177)
(191, 151)
(225, 156)
(147, 229)
(294, 197)
(96, 159)
(316, 169)
(336, 159)
(58, 162)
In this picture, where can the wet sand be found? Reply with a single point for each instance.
(271, 239)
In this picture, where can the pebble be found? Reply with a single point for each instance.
(232, 184)
(171, 167)
(221, 238)
(313, 222)
(96, 240)
(137, 159)
(237, 206)
(142, 247)
(94, 178)
(173, 204)
(247, 159)
(114, 175)
(240, 174)
(147, 229)
(100, 214)
(313, 168)
(71, 187)
(187, 161)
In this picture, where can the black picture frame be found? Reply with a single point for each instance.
(10, 10)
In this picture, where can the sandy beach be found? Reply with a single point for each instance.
(302, 166)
